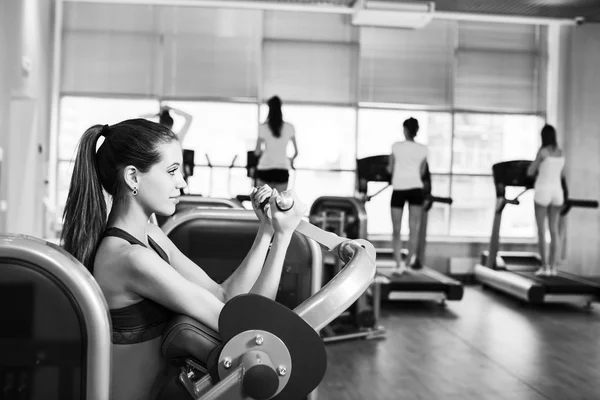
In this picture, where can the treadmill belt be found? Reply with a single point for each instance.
(560, 284)
(414, 281)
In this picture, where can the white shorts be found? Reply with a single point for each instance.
(549, 196)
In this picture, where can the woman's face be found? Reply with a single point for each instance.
(160, 187)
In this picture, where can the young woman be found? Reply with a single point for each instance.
(548, 169)
(271, 148)
(408, 163)
(144, 277)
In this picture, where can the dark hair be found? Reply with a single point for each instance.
(132, 142)
(549, 136)
(275, 117)
(165, 119)
(412, 126)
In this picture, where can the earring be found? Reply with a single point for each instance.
(134, 191)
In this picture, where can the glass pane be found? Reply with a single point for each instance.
(311, 185)
(518, 221)
(481, 140)
(379, 129)
(379, 220)
(473, 207)
(220, 182)
(41, 342)
(326, 136)
(219, 130)
(77, 114)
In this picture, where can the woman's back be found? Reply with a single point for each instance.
(137, 323)
(275, 153)
(550, 169)
(408, 158)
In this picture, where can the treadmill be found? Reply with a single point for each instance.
(514, 272)
(418, 282)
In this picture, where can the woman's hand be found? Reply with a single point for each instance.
(285, 222)
(257, 196)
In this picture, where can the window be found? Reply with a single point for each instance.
(379, 129)
(220, 131)
(481, 140)
(326, 135)
(77, 114)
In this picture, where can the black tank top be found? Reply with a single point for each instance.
(144, 320)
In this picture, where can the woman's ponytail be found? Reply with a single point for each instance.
(85, 211)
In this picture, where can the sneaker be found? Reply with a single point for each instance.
(401, 269)
(543, 271)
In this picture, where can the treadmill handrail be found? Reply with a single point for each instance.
(578, 203)
(443, 200)
(87, 295)
(344, 289)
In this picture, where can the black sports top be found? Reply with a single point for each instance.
(144, 320)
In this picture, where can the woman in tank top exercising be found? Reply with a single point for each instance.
(144, 277)
(548, 170)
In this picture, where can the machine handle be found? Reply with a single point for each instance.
(345, 288)
(348, 285)
(443, 200)
(581, 203)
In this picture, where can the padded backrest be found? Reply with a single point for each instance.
(217, 240)
(54, 327)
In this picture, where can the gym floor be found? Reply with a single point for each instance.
(487, 346)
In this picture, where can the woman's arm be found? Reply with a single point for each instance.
(147, 275)
(186, 126)
(533, 167)
(284, 224)
(390, 166)
(258, 148)
(244, 277)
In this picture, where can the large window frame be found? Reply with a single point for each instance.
(356, 105)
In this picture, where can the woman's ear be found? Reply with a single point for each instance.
(131, 177)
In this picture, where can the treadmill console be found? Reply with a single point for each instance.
(511, 173)
(372, 169)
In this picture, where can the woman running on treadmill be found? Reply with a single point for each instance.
(143, 275)
(271, 148)
(407, 165)
(548, 170)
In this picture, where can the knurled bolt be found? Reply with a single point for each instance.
(281, 370)
(227, 363)
(259, 340)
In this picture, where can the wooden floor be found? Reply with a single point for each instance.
(486, 346)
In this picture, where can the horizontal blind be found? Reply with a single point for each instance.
(499, 68)
(309, 57)
(210, 52)
(407, 66)
(109, 49)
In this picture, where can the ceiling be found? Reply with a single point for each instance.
(589, 9)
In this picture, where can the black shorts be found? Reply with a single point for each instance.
(273, 175)
(414, 197)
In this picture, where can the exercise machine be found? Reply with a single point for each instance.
(263, 349)
(346, 217)
(514, 272)
(419, 282)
